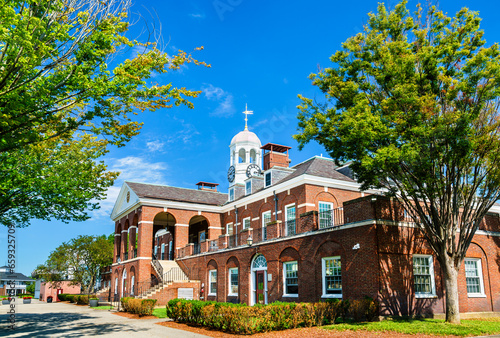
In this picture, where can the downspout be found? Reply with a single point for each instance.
(236, 225)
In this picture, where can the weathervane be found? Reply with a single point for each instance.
(247, 112)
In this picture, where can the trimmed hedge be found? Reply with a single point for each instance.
(243, 319)
(142, 307)
(78, 299)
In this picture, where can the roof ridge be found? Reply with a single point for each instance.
(170, 186)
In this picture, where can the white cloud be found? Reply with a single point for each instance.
(154, 146)
(197, 15)
(225, 100)
(131, 168)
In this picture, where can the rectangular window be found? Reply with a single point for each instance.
(332, 277)
(246, 223)
(266, 219)
(474, 277)
(423, 274)
(248, 188)
(229, 229)
(231, 195)
(212, 282)
(233, 282)
(325, 214)
(268, 179)
(290, 219)
(291, 279)
(162, 251)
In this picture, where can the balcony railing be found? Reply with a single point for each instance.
(306, 223)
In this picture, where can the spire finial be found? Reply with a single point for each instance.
(247, 112)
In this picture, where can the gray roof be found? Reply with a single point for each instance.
(318, 166)
(17, 276)
(164, 192)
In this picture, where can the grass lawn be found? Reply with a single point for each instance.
(160, 312)
(104, 307)
(469, 327)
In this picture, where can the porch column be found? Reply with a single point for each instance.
(123, 244)
(132, 231)
(181, 235)
(117, 246)
(145, 245)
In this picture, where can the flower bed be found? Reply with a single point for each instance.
(243, 319)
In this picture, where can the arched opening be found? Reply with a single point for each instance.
(125, 240)
(163, 232)
(242, 156)
(253, 156)
(198, 231)
(118, 243)
(258, 280)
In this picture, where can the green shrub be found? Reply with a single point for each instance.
(124, 303)
(141, 307)
(62, 297)
(147, 307)
(71, 298)
(82, 299)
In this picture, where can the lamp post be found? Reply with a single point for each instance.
(249, 240)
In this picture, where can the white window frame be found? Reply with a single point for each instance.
(270, 180)
(162, 253)
(248, 188)
(285, 294)
(230, 273)
(479, 268)
(294, 219)
(212, 273)
(245, 222)
(229, 226)
(264, 225)
(132, 285)
(330, 204)
(431, 294)
(231, 194)
(323, 277)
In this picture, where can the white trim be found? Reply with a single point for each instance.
(431, 294)
(253, 298)
(284, 280)
(306, 205)
(323, 275)
(124, 231)
(181, 225)
(219, 228)
(131, 260)
(145, 222)
(117, 235)
(132, 227)
(255, 219)
(479, 267)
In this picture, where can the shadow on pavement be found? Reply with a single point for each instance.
(55, 323)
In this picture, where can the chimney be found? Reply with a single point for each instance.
(207, 186)
(275, 155)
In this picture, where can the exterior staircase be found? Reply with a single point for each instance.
(169, 273)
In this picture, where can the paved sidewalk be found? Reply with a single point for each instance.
(40, 319)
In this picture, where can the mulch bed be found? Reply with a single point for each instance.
(297, 333)
(133, 316)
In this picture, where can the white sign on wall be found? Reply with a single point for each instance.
(185, 293)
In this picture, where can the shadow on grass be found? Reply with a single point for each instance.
(62, 324)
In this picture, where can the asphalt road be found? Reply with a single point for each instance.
(40, 319)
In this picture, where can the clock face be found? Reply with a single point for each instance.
(253, 170)
(230, 174)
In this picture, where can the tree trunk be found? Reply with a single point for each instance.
(451, 286)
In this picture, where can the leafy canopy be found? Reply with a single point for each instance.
(57, 73)
(412, 103)
(79, 260)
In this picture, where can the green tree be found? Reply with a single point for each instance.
(412, 102)
(64, 99)
(80, 260)
(57, 73)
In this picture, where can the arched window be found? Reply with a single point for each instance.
(132, 285)
(253, 156)
(242, 156)
(116, 285)
(259, 262)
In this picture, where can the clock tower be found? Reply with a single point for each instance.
(245, 155)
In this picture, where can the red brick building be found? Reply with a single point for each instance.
(289, 233)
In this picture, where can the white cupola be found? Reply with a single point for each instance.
(245, 155)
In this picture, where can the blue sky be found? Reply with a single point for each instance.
(261, 53)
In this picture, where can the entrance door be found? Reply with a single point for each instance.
(59, 291)
(259, 283)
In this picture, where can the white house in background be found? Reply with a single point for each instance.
(19, 281)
